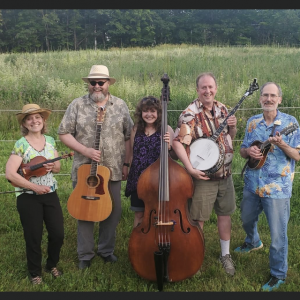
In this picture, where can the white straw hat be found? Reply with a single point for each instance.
(98, 72)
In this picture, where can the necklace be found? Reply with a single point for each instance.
(150, 132)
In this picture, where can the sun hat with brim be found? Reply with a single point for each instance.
(99, 72)
(30, 109)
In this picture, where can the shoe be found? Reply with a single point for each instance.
(54, 272)
(272, 284)
(83, 264)
(110, 258)
(245, 248)
(35, 279)
(228, 264)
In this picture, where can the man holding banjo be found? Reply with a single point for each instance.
(208, 159)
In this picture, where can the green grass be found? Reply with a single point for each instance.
(53, 79)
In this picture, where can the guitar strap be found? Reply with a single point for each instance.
(244, 168)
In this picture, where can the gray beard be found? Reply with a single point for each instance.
(98, 97)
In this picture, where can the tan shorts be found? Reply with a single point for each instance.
(217, 194)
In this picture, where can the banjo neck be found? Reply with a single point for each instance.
(253, 87)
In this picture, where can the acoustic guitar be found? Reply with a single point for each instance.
(91, 199)
(265, 147)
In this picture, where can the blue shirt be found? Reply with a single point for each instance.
(275, 178)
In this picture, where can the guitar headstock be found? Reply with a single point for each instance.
(100, 115)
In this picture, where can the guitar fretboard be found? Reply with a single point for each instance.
(100, 118)
(253, 87)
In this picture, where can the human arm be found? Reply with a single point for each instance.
(69, 140)
(128, 158)
(11, 174)
(182, 155)
(168, 137)
(289, 151)
(54, 166)
(231, 122)
(252, 151)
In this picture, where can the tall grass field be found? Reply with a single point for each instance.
(53, 80)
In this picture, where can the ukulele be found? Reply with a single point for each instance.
(91, 199)
(265, 147)
(35, 166)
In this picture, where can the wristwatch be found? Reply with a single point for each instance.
(126, 164)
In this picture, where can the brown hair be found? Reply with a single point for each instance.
(146, 103)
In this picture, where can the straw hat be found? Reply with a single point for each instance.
(30, 109)
(98, 72)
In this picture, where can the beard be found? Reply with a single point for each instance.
(98, 97)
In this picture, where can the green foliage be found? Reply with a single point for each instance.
(53, 80)
(36, 30)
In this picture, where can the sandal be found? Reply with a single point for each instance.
(35, 280)
(54, 272)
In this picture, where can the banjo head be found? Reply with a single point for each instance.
(204, 154)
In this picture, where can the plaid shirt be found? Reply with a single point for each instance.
(80, 120)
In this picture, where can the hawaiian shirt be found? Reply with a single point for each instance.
(80, 120)
(274, 179)
(202, 124)
(23, 149)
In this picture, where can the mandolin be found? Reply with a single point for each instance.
(35, 166)
(265, 147)
(91, 200)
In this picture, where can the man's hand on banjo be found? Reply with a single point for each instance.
(198, 174)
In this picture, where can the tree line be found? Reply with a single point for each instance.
(34, 30)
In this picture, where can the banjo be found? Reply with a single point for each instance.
(206, 154)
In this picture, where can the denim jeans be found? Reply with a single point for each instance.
(277, 212)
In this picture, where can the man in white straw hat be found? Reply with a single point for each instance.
(78, 131)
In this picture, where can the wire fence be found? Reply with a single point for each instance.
(176, 110)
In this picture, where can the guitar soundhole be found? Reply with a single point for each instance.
(96, 182)
(92, 181)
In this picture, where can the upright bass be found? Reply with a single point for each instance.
(167, 246)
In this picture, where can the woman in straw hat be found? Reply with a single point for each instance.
(37, 200)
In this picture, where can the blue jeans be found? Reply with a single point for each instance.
(277, 212)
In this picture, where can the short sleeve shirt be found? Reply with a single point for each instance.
(27, 152)
(274, 179)
(202, 124)
(80, 120)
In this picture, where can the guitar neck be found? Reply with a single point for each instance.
(100, 117)
(215, 136)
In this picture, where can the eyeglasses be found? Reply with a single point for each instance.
(272, 96)
(152, 99)
(100, 83)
